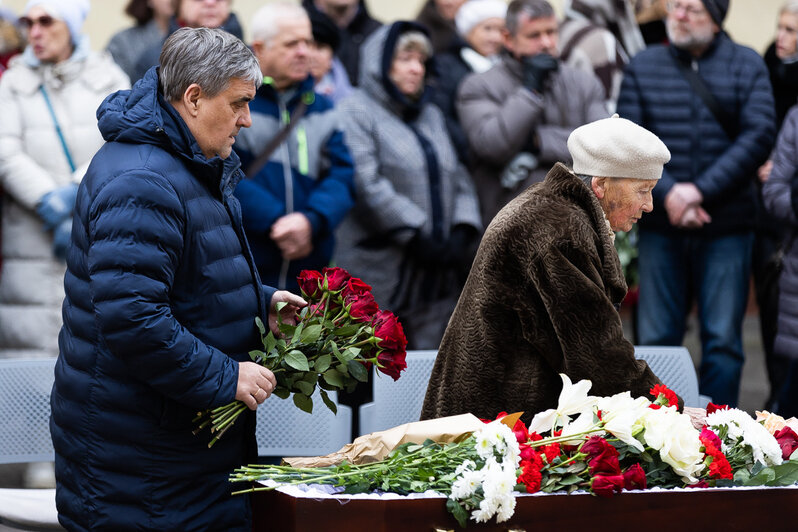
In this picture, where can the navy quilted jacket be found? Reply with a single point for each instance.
(657, 96)
(161, 296)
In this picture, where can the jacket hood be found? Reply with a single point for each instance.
(141, 115)
(376, 57)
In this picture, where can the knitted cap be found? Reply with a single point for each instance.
(717, 10)
(324, 29)
(72, 12)
(617, 147)
(474, 12)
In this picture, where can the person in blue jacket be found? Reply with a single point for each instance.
(292, 203)
(697, 243)
(161, 297)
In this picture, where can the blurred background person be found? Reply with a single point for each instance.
(152, 23)
(780, 193)
(48, 134)
(650, 16)
(326, 68)
(355, 24)
(600, 36)
(518, 114)
(781, 59)
(476, 49)
(302, 187)
(191, 14)
(12, 41)
(438, 17)
(414, 227)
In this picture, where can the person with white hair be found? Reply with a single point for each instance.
(161, 300)
(543, 293)
(48, 134)
(476, 49)
(299, 189)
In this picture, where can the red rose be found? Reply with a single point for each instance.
(788, 441)
(594, 446)
(355, 287)
(361, 307)
(607, 485)
(660, 389)
(521, 434)
(310, 283)
(336, 278)
(699, 484)
(390, 332)
(527, 452)
(634, 478)
(711, 407)
(605, 463)
(316, 309)
(391, 363)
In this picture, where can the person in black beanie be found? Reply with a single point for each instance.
(325, 67)
(717, 10)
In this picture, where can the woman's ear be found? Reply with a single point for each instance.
(599, 186)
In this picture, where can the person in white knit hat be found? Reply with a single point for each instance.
(543, 293)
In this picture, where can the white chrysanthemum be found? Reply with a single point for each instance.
(467, 484)
(468, 465)
(743, 430)
(506, 509)
(487, 508)
(677, 441)
(573, 400)
(484, 445)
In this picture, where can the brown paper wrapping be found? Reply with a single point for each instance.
(377, 445)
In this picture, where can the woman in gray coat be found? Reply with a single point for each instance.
(415, 224)
(780, 194)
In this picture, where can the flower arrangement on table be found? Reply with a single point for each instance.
(339, 335)
(603, 445)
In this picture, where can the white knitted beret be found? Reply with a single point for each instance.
(475, 11)
(617, 147)
(72, 12)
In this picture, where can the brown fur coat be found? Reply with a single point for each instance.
(540, 300)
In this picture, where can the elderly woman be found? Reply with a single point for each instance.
(48, 134)
(416, 215)
(479, 28)
(545, 286)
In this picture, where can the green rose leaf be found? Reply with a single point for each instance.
(348, 330)
(281, 392)
(310, 334)
(257, 356)
(358, 370)
(334, 378)
(260, 326)
(303, 402)
(323, 363)
(297, 360)
(304, 387)
(327, 401)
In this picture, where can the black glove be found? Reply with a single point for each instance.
(536, 70)
(428, 251)
(462, 245)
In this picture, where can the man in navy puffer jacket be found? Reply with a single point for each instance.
(697, 242)
(161, 296)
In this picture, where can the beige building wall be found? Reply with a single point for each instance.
(750, 22)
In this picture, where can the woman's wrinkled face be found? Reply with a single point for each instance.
(624, 200)
(787, 36)
(486, 37)
(48, 36)
(407, 71)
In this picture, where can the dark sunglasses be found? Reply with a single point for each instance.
(44, 21)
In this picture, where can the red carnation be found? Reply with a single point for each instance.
(607, 485)
(699, 484)
(551, 451)
(310, 283)
(530, 475)
(712, 407)
(634, 478)
(670, 396)
(336, 278)
(707, 436)
(788, 441)
(719, 466)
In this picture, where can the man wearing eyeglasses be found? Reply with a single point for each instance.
(709, 99)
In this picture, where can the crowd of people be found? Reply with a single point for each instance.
(177, 198)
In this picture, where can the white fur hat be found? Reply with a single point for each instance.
(617, 147)
(473, 12)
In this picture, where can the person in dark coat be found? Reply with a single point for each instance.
(438, 17)
(161, 297)
(189, 14)
(781, 59)
(542, 295)
(355, 23)
(697, 244)
(480, 24)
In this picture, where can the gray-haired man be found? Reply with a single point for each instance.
(161, 296)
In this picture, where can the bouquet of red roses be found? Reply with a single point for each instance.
(339, 335)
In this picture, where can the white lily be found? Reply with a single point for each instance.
(573, 400)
